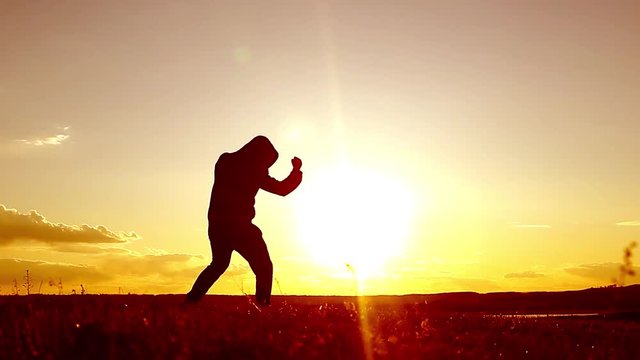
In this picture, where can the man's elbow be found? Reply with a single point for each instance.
(284, 192)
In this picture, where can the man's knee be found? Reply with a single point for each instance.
(218, 265)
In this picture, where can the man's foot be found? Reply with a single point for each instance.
(258, 305)
(189, 301)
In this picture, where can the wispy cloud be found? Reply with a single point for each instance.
(33, 226)
(56, 139)
(629, 223)
(109, 270)
(14, 269)
(520, 225)
(139, 265)
(147, 273)
(524, 275)
(86, 249)
(605, 272)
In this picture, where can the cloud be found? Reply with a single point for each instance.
(14, 226)
(524, 275)
(153, 273)
(603, 271)
(153, 265)
(629, 223)
(530, 226)
(54, 140)
(167, 273)
(41, 270)
(88, 249)
(237, 270)
(109, 271)
(51, 140)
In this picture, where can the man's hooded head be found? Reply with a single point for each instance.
(259, 151)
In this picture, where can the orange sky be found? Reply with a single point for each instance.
(490, 145)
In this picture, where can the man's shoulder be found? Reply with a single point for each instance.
(228, 162)
(223, 157)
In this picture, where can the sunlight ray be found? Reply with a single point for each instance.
(339, 143)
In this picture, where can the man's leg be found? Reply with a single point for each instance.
(253, 248)
(220, 259)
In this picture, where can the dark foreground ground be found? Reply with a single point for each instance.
(446, 326)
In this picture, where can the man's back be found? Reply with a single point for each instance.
(236, 185)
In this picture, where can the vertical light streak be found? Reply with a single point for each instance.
(337, 120)
(363, 314)
(333, 81)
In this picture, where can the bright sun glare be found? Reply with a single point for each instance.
(351, 218)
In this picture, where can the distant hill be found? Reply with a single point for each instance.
(594, 300)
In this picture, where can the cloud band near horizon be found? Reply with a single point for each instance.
(34, 226)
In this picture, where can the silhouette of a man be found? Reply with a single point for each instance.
(238, 177)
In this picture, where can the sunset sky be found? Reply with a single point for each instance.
(446, 145)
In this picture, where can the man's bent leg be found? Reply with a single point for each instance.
(253, 248)
(221, 257)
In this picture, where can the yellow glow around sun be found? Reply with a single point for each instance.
(355, 217)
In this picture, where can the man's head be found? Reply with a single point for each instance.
(260, 150)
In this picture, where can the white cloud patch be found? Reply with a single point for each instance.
(33, 226)
(629, 223)
(51, 140)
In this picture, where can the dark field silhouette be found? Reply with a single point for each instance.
(442, 326)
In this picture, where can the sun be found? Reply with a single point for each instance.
(353, 218)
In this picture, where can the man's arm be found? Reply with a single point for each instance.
(287, 185)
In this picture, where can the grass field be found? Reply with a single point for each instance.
(230, 327)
